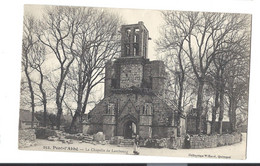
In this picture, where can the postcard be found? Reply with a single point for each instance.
(135, 82)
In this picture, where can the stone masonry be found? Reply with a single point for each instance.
(133, 102)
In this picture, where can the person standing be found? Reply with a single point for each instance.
(173, 142)
(187, 142)
(136, 144)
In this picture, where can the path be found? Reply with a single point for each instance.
(235, 151)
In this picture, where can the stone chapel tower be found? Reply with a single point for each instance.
(133, 100)
(133, 68)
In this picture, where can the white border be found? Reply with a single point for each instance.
(10, 51)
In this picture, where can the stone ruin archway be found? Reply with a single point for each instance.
(129, 129)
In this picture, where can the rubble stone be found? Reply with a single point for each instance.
(99, 136)
(27, 138)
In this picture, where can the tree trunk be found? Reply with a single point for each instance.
(76, 117)
(232, 115)
(181, 81)
(221, 108)
(216, 104)
(234, 129)
(44, 113)
(199, 106)
(44, 100)
(59, 97)
(32, 95)
(80, 109)
(229, 113)
(214, 112)
(85, 101)
(59, 105)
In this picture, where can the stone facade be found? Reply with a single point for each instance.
(134, 93)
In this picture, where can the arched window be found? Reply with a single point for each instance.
(111, 109)
(147, 109)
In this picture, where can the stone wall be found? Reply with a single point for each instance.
(177, 143)
(145, 131)
(92, 128)
(196, 142)
(205, 141)
(229, 139)
(131, 75)
(27, 137)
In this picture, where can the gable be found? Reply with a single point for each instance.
(128, 108)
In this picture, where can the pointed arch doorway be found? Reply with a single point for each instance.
(129, 129)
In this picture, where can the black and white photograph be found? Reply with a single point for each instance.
(135, 81)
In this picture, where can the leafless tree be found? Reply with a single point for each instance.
(237, 86)
(28, 43)
(236, 53)
(203, 37)
(59, 27)
(96, 43)
(37, 65)
(171, 45)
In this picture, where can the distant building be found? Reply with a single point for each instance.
(25, 119)
(192, 121)
(134, 100)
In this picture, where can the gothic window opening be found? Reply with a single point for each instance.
(127, 49)
(136, 35)
(143, 112)
(145, 45)
(113, 83)
(136, 49)
(148, 109)
(111, 109)
(145, 50)
(128, 35)
(136, 42)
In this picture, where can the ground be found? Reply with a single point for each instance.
(235, 151)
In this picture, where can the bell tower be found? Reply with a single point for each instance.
(134, 40)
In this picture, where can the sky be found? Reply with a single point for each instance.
(152, 20)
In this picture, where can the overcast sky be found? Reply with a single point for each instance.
(152, 20)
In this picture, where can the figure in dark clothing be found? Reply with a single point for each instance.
(173, 142)
(187, 142)
(136, 145)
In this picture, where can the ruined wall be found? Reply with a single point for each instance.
(135, 71)
(27, 137)
(131, 75)
(158, 77)
(164, 131)
(109, 75)
(134, 40)
(210, 141)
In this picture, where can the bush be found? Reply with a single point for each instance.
(44, 133)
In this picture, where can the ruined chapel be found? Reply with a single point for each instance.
(134, 91)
